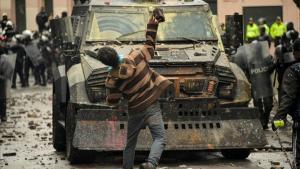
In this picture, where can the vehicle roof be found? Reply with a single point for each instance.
(139, 3)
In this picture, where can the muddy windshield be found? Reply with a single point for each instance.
(127, 25)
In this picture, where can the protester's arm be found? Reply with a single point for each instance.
(149, 47)
(113, 95)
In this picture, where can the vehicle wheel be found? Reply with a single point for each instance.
(58, 132)
(238, 154)
(74, 155)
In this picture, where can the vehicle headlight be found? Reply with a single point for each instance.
(95, 86)
(211, 85)
(226, 91)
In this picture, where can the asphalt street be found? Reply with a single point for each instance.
(26, 142)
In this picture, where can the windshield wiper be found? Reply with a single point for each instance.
(186, 38)
(113, 41)
(129, 34)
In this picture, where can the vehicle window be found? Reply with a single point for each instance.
(109, 26)
(129, 26)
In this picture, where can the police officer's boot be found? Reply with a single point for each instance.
(14, 80)
(3, 109)
(147, 165)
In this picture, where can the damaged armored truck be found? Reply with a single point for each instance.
(206, 108)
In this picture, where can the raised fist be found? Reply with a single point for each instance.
(158, 14)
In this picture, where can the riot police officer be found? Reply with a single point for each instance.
(258, 65)
(4, 21)
(6, 71)
(284, 56)
(18, 48)
(9, 31)
(47, 53)
(290, 102)
(37, 60)
(277, 30)
(252, 31)
(31, 57)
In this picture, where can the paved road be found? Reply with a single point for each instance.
(26, 142)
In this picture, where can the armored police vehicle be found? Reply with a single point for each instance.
(206, 109)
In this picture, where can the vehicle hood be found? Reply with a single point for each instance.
(199, 53)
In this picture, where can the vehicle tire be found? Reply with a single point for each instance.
(237, 154)
(58, 132)
(74, 155)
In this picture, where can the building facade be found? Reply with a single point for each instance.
(269, 9)
(23, 12)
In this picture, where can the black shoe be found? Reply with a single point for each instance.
(266, 127)
(13, 86)
(44, 84)
(3, 119)
(147, 166)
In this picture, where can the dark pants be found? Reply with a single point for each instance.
(2, 99)
(49, 74)
(19, 71)
(277, 41)
(152, 118)
(40, 74)
(29, 65)
(250, 40)
(265, 106)
(296, 144)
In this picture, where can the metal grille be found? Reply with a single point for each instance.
(225, 75)
(193, 85)
(95, 85)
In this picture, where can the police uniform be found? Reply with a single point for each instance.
(19, 68)
(276, 32)
(290, 101)
(290, 104)
(6, 71)
(252, 32)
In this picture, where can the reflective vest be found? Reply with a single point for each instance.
(252, 31)
(267, 29)
(277, 30)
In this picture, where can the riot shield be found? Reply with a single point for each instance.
(240, 59)
(260, 67)
(33, 53)
(62, 29)
(5, 85)
(9, 68)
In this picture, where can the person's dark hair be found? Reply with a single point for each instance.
(108, 56)
(290, 26)
(296, 45)
(262, 30)
(64, 14)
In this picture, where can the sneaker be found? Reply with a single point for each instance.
(147, 166)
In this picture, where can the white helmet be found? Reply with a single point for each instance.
(9, 23)
(19, 36)
(27, 33)
(44, 38)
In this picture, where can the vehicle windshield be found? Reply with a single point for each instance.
(180, 24)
